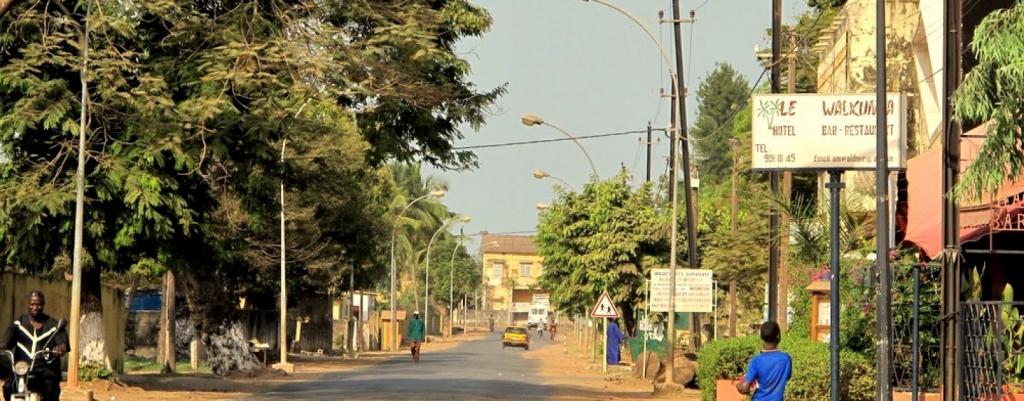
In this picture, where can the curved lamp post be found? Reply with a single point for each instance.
(677, 104)
(530, 120)
(541, 174)
(394, 317)
(426, 295)
(451, 286)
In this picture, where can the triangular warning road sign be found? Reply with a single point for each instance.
(604, 307)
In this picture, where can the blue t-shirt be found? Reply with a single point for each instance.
(770, 370)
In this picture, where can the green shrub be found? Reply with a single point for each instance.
(93, 371)
(728, 359)
(724, 359)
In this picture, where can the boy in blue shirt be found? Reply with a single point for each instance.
(768, 371)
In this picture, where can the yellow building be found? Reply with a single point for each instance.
(511, 268)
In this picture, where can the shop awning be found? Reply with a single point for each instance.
(925, 197)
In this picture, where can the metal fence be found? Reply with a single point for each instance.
(917, 315)
(993, 349)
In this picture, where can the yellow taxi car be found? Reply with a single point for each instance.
(515, 336)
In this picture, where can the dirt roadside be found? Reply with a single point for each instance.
(207, 387)
(569, 369)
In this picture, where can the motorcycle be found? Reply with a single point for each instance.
(23, 374)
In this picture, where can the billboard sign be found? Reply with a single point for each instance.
(824, 132)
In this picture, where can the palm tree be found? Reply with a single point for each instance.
(414, 229)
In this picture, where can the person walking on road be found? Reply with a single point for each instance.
(553, 328)
(770, 370)
(615, 339)
(417, 334)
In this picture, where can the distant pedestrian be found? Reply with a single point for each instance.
(553, 328)
(417, 334)
(615, 340)
(770, 370)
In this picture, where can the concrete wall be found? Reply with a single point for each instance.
(13, 288)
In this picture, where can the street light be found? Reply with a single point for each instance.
(678, 105)
(426, 295)
(541, 174)
(530, 120)
(451, 286)
(543, 206)
(394, 313)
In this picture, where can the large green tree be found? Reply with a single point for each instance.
(993, 92)
(720, 95)
(191, 104)
(454, 273)
(605, 238)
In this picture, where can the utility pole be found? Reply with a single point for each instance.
(787, 196)
(648, 151)
(884, 348)
(953, 70)
(684, 154)
(282, 330)
(734, 227)
(75, 318)
(773, 177)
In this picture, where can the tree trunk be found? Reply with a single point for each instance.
(167, 345)
(732, 308)
(224, 342)
(91, 336)
(227, 350)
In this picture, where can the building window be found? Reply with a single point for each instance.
(496, 270)
(524, 269)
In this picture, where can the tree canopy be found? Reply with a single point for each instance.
(993, 92)
(201, 111)
(607, 237)
(720, 95)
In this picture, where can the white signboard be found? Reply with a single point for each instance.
(695, 290)
(824, 132)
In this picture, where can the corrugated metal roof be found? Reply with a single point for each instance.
(513, 244)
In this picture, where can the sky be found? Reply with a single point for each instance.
(589, 70)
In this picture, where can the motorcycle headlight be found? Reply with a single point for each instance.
(21, 368)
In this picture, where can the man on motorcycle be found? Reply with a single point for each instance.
(31, 333)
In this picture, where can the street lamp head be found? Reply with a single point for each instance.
(463, 219)
(437, 193)
(530, 120)
(543, 206)
(540, 174)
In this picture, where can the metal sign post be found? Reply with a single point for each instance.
(605, 309)
(604, 361)
(835, 185)
(833, 133)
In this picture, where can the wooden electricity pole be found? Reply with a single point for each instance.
(787, 197)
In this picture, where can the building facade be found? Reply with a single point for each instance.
(511, 270)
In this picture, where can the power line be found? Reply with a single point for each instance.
(724, 124)
(734, 111)
(506, 144)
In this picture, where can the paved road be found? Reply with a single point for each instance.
(474, 370)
